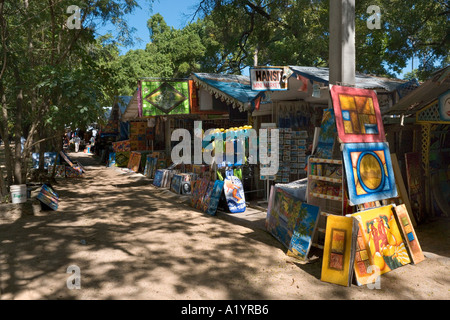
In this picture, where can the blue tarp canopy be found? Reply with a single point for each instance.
(235, 90)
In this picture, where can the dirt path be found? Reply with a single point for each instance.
(131, 240)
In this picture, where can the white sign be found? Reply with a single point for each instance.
(269, 78)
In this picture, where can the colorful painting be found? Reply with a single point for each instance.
(150, 166)
(282, 215)
(198, 192)
(195, 191)
(49, 197)
(379, 244)
(215, 197)
(66, 158)
(303, 231)
(204, 186)
(234, 193)
(207, 197)
(369, 172)
(414, 178)
(409, 235)
(60, 171)
(357, 113)
(327, 136)
(122, 158)
(339, 250)
(112, 159)
(175, 185)
(164, 97)
(135, 161)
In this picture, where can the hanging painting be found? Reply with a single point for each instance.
(305, 226)
(369, 172)
(357, 113)
(164, 97)
(380, 244)
(327, 136)
(339, 250)
(409, 235)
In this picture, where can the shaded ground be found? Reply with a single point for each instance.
(134, 241)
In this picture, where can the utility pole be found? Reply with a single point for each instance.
(342, 42)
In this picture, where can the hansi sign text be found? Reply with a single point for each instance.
(269, 78)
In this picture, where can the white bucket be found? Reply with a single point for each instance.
(19, 193)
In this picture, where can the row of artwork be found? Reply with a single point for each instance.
(368, 244)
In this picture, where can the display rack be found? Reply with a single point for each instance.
(326, 190)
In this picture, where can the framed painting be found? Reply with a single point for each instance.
(303, 232)
(409, 235)
(159, 175)
(357, 113)
(379, 245)
(369, 172)
(339, 250)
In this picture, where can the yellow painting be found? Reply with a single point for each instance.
(380, 244)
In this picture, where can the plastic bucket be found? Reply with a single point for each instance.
(19, 193)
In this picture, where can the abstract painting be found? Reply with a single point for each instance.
(215, 197)
(380, 244)
(207, 197)
(164, 97)
(369, 172)
(409, 235)
(48, 197)
(357, 113)
(204, 186)
(304, 229)
(159, 175)
(339, 250)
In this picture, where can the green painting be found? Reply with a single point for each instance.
(164, 97)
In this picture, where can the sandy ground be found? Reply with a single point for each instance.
(130, 240)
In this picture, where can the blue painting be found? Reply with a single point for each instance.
(159, 174)
(215, 197)
(112, 159)
(327, 135)
(303, 231)
(369, 172)
(175, 185)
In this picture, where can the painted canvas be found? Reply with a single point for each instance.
(60, 171)
(150, 166)
(112, 159)
(195, 191)
(380, 244)
(49, 159)
(369, 172)
(73, 172)
(357, 113)
(122, 158)
(164, 97)
(203, 189)
(186, 187)
(215, 197)
(48, 197)
(409, 235)
(234, 193)
(282, 217)
(207, 197)
(66, 158)
(135, 161)
(305, 226)
(159, 175)
(339, 250)
(414, 178)
(327, 136)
